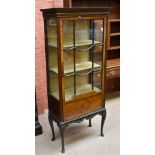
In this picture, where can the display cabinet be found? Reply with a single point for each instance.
(75, 41)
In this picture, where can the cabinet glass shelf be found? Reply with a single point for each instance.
(79, 90)
(79, 67)
(79, 43)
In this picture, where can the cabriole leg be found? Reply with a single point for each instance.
(62, 129)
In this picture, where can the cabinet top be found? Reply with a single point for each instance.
(95, 10)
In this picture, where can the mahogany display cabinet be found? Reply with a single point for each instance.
(75, 45)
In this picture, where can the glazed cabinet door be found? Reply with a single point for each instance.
(83, 55)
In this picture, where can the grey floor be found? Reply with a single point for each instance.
(81, 139)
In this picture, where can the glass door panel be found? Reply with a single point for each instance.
(84, 83)
(68, 33)
(82, 35)
(68, 62)
(69, 87)
(52, 61)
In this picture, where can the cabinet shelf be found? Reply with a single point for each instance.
(79, 67)
(114, 34)
(114, 20)
(80, 43)
(79, 90)
(114, 48)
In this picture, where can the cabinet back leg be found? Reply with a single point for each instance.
(103, 115)
(52, 127)
(90, 124)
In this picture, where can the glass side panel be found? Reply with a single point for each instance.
(52, 32)
(98, 35)
(83, 55)
(98, 52)
(97, 79)
(52, 61)
(98, 32)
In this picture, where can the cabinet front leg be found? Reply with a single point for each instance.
(62, 130)
(90, 124)
(52, 127)
(103, 115)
